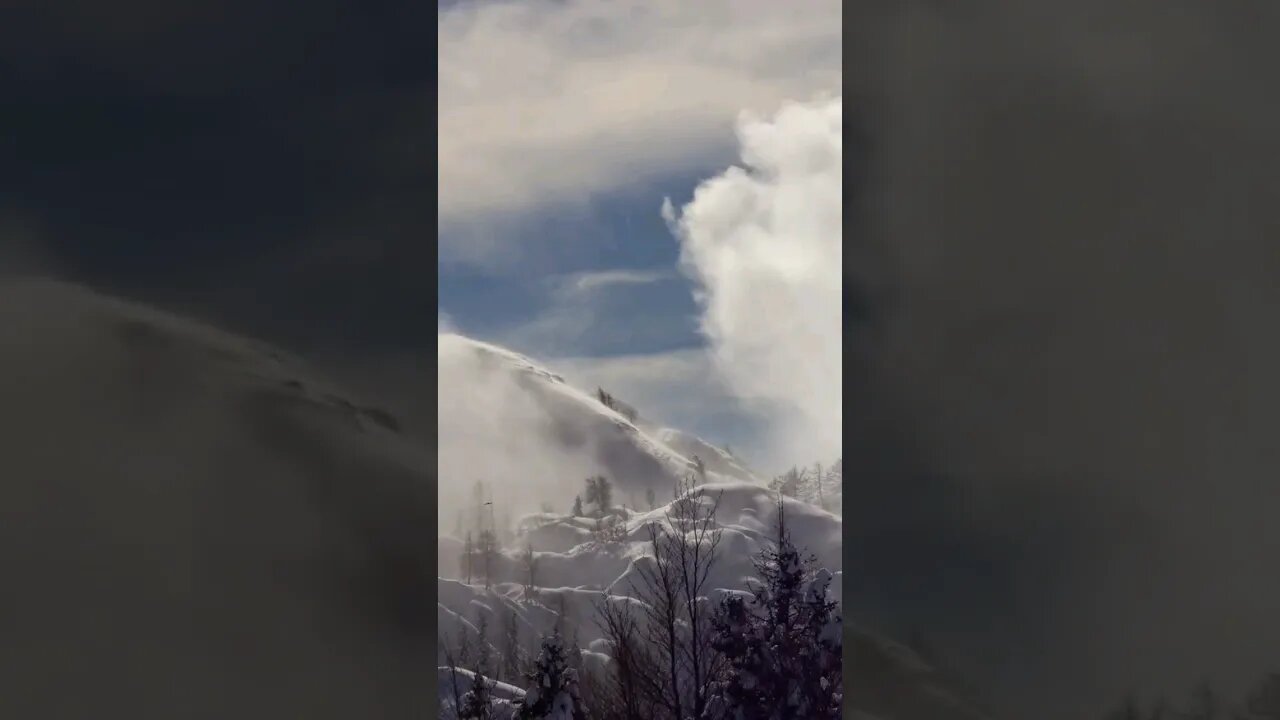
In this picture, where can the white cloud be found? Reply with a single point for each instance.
(598, 308)
(577, 284)
(557, 101)
(764, 244)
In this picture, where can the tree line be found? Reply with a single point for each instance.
(770, 652)
(816, 485)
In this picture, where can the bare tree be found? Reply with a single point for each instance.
(700, 538)
(659, 587)
(529, 564)
(487, 549)
(631, 683)
(817, 481)
(477, 494)
(673, 587)
(468, 558)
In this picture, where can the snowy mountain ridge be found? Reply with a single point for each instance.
(503, 415)
(672, 449)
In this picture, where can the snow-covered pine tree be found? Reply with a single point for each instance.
(477, 703)
(783, 647)
(553, 686)
(577, 506)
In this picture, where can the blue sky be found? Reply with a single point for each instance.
(628, 261)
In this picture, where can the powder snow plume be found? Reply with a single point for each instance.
(763, 243)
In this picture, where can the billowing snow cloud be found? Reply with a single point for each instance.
(763, 243)
(493, 429)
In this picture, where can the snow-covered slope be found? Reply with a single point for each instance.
(184, 513)
(454, 682)
(506, 419)
(716, 460)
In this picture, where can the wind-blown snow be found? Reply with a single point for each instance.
(506, 420)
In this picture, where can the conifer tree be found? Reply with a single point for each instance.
(784, 645)
(553, 686)
(599, 492)
(477, 703)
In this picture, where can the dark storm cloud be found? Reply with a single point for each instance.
(263, 164)
(1067, 225)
